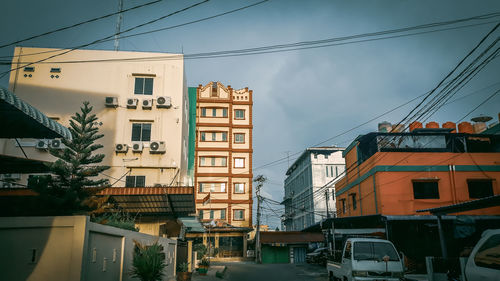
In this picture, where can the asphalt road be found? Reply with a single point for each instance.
(274, 272)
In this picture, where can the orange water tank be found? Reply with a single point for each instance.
(466, 128)
(432, 125)
(415, 125)
(450, 125)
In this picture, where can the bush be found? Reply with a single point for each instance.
(183, 267)
(200, 249)
(120, 220)
(148, 262)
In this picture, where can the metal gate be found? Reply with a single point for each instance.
(299, 255)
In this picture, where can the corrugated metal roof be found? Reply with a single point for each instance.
(21, 120)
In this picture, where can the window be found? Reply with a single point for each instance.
(214, 112)
(214, 136)
(239, 114)
(487, 255)
(239, 162)
(55, 70)
(223, 214)
(135, 181)
(141, 131)
(239, 138)
(239, 188)
(206, 187)
(202, 136)
(425, 190)
(374, 251)
(213, 161)
(224, 112)
(200, 214)
(143, 86)
(347, 252)
(203, 112)
(239, 215)
(480, 188)
(342, 202)
(354, 202)
(224, 136)
(211, 214)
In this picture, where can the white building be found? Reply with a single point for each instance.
(140, 99)
(310, 187)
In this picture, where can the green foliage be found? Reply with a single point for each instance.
(204, 262)
(183, 267)
(200, 249)
(118, 219)
(148, 262)
(67, 190)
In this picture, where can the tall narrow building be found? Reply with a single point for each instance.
(223, 164)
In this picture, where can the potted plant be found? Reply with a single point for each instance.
(203, 266)
(182, 272)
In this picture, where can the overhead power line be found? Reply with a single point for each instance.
(80, 23)
(329, 42)
(107, 37)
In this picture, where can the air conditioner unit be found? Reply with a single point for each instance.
(132, 103)
(157, 147)
(11, 176)
(137, 146)
(157, 185)
(56, 144)
(121, 147)
(147, 103)
(7, 185)
(163, 102)
(41, 144)
(111, 102)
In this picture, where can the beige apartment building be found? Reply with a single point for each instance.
(141, 101)
(223, 165)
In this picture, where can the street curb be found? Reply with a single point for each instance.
(220, 274)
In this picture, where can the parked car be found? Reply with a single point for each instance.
(484, 261)
(366, 259)
(317, 256)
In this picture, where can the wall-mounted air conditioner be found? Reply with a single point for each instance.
(55, 144)
(147, 103)
(137, 146)
(121, 147)
(157, 147)
(132, 103)
(163, 102)
(41, 144)
(111, 102)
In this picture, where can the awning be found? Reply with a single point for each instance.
(17, 165)
(192, 225)
(176, 201)
(21, 120)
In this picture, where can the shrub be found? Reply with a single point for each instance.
(148, 262)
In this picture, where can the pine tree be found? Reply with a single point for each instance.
(67, 190)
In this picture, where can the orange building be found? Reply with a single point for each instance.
(400, 173)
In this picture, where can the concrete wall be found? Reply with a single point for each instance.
(71, 248)
(60, 95)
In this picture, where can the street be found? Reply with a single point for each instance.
(250, 271)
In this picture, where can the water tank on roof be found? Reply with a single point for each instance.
(450, 125)
(415, 125)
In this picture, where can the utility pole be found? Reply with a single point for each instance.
(118, 24)
(260, 179)
(326, 201)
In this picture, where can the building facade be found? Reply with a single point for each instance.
(402, 172)
(141, 101)
(310, 187)
(223, 162)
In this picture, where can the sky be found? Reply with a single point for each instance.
(301, 97)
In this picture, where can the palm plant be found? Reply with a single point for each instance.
(148, 262)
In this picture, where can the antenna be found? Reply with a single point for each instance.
(118, 24)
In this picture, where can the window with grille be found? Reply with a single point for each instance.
(143, 86)
(239, 215)
(239, 114)
(135, 181)
(141, 131)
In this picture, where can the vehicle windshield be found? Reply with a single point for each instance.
(374, 251)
